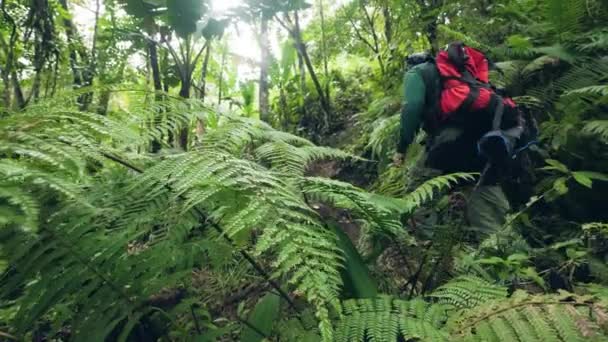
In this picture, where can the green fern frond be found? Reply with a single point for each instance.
(384, 135)
(429, 189)
(565, 16)
(292, 160)
(376, 212)
(380, 108)
(27, 215)
(451, 35)
(468, 292)
(590, 90)
(388, 319)
(595, 227)
(531, 318)
(597, 127)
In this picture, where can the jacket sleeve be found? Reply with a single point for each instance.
(412, 109)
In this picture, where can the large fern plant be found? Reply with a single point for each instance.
(470, 309)
(93, 230)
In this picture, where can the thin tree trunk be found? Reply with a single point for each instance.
(104, 102)
(6, 92)
(184, 92)
(153, 53)
(388, 30)
(324, 51)
(431, 27)
(91, 69)
(55, 74)
(283, 107)
(73, 56)
(10, 55)
(372, 29)
(221, 78)
(203, 89)
(301, 48)
(39, 59)
(388, 23)
(158, 87)
(263, 87)
(202, 92)
(17, 89)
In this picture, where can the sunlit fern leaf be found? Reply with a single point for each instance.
(377, 214)
(452, 35)
(468, 292)
(584, 74)
(273, 135)
(531, 318)
(252, 197)
(565, 16)
(389, 319)
(597, 127)
(428, 189)
(234, 133)
(28, 209)
(595, 227)
(598, 42)
(384, 135)
(292, 160)
(590, 90)
(380, 108)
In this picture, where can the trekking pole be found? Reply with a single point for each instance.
(482, 177)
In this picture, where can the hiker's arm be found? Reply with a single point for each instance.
(413, 107)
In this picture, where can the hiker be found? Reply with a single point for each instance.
(468, 125)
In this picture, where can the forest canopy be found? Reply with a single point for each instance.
(206, 170)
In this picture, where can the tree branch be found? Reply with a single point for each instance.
(358, 33)
(206, 220)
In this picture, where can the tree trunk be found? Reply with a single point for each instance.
(91, 67)
(73, 56)
(17, 89)
(301, 48)
(104, 101)
(6, 92)
(221, 78)
(9, 49)
(263, 88)
(431, 27)
(388, 24)
(153, 53)
(324, 50)
(388, 31)
(202, 91)
(184, 92)
(431, 34)
(283, 108)
(158, 87)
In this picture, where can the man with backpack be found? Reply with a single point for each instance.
(470, 128)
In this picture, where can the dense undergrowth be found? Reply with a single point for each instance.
(135, 215)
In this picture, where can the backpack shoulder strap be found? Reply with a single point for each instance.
(432, 81)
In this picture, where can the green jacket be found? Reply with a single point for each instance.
(421, 87)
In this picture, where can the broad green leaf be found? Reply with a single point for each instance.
(568, 243)
(531, 273)
(183, 15)
(582, 179)
(560, 186)
(358, 282)
(557, 165)
(594, 175)
(263, 317)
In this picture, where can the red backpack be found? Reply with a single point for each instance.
(464, 73)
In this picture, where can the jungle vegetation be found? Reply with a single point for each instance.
(152, 190)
